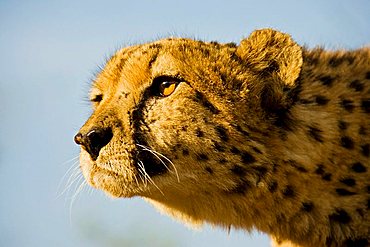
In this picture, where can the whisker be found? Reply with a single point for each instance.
(148, 177)
(157, 154)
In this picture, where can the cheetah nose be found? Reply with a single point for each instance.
(94, 140)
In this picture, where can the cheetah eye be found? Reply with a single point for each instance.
(164, 85)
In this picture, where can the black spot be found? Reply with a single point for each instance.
(361, 242)
(199, 133)
(209, 170)
(238, 170)
(340, 216)
(367, 75)
(320, 169)
(307, 206)
(155, 46)
(185, 151)
(305, 101)
(326, 80)
(184, 128)
(356, 85)
(362, 130)
(288, 191)
(273, 186)
(262, 170)
(365, 105)
(222, 133)
(256, 150)
(202, 157)
(344, 192)
(239, 129)
(360, 211)
(241, 187)
(297, 166)
(342, 125)
(358, 167)
(315, 133)
(347, 142)
(326, 176)
(348, 181)
(336, 61)
(234, 150)
(222, 161)
(203, 100)
(347, 105)
(218, 147)
(247, 158)
(365, 150)
(321, 100)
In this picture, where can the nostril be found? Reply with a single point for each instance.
(99, 138)
(94, 140)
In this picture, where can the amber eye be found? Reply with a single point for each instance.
(167, 88)
(164, 86)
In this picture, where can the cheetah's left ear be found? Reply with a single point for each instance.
(271, 51)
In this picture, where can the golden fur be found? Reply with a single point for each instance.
(264, 135)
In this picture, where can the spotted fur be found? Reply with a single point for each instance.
(265, 134)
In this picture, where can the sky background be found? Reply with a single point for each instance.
(49, 51)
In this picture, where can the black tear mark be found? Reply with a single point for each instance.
(358, 167)
(315, 133)
(340, 216)
(344, 192)
(204, 101)
(327, 80)
(356, 85)
(347, 142)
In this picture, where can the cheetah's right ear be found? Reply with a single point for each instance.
(275, 60)
(272, 51)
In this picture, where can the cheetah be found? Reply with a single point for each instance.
(265, 135)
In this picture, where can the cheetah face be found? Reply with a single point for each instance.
(174, 112)
(155, 122)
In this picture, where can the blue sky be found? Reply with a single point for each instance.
(49, 52)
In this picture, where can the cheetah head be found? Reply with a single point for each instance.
(176, 120)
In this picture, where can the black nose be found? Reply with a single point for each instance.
(94, 140)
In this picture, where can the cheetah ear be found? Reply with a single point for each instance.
(267, 50)
(275, 60)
